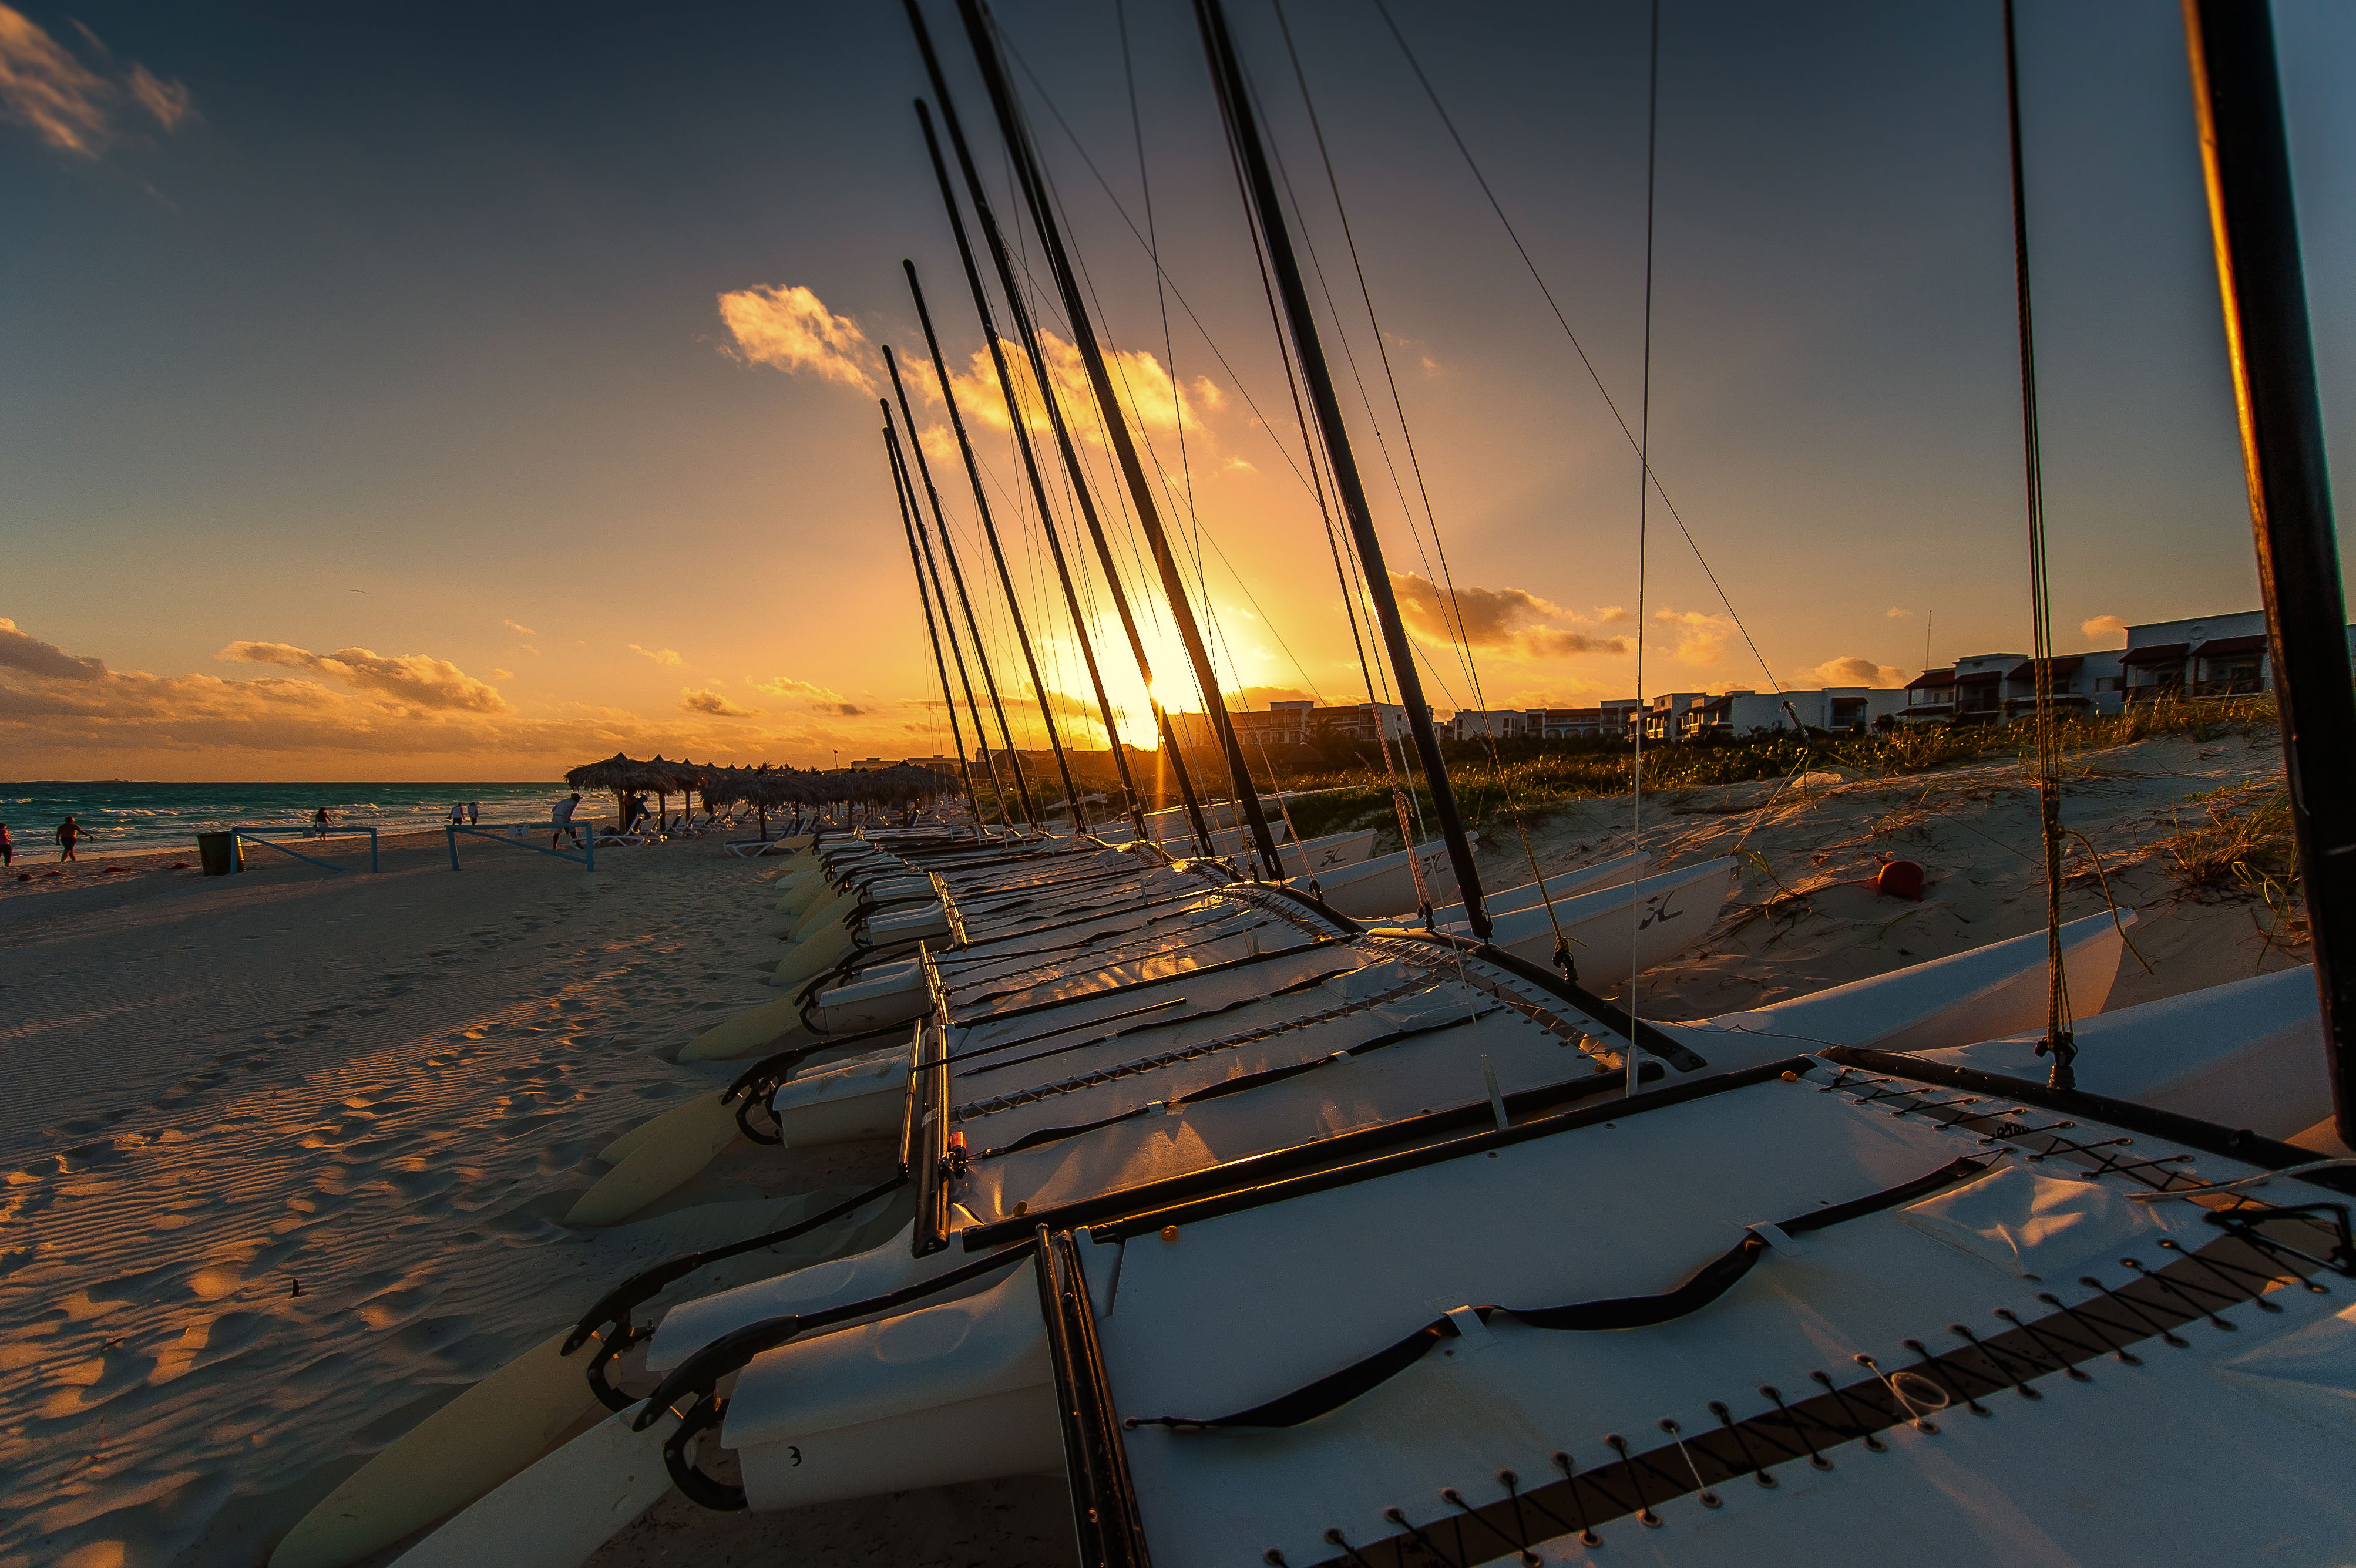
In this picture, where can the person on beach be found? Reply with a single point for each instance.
(69, 835)
(319, 823)
(563, 815)
(7, 847)
(474, 812)
(458, 814)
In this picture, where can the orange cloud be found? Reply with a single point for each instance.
(1701, 639)
(790, 329)
(66, 104)
(412, 679)
(711, 702)
(1853, 671)
(660, 655)
(1508, 619)
(2105, 626)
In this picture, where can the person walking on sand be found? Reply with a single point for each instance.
(69, 835)
(319, 823)
(474, 813)
(458, 814)
(563, 815)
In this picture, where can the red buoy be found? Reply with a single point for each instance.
(1900, 880)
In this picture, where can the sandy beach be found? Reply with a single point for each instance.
(288, 1151)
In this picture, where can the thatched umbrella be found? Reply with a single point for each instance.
(668, 779)
(766, 788)
(618, 772)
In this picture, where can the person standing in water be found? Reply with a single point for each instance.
(69, 835)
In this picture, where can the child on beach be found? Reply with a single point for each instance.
(69, 835)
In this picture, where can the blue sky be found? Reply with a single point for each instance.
(426, 304)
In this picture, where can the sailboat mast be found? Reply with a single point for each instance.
(2253, 219)
(1172, 755)
(932, 630)
(1116, 424)
(1031, 467)
(949, 623)
(997, 554)
(965, 600)
(1235, 105)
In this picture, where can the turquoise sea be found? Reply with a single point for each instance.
(129, 817)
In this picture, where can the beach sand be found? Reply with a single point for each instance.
(386, 1089)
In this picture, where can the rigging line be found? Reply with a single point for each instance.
(1382, 350)
(2059, 1040)
(1407, 433)
(1644, 496)
(1208, 341)
(1352, 593)
(965, 600)
(1153, 251)
(1497, 207)
(1197, 531)
(1357, 378)
(949, 623)
(941, 664)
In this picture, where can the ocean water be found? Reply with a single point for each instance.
(129, 817)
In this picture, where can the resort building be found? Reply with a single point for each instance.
(1296, 722)
(1610, 718)
(2210, 656)
(1837, 707)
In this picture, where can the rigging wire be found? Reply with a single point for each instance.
(2059, 1041)
(1563, 321)
(1644, 497)
(1516, 808)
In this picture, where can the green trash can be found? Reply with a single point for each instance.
(221, 853)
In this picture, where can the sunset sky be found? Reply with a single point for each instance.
(466, 392)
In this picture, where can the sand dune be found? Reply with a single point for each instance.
(377, 1089)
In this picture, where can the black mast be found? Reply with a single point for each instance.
(2246, 155)
(932, 630)
(1031, 467)
(965, 600)
(1116, 422)
(1172, 755)
(949, 623)
(1234, 106)
(990, 532)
